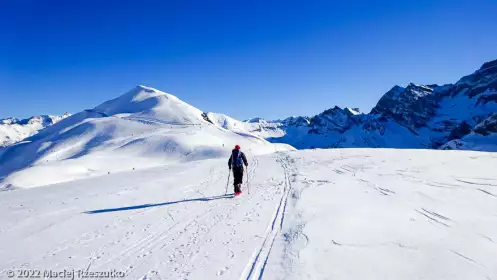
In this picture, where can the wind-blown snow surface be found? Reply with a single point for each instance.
(315, 214)
(142, 128)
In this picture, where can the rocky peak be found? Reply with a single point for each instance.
(353, 111)
(479, 82)
(335, 119)
(412, 106)
(489, 67)
(295, 121)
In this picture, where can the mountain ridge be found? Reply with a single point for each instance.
(13, 130)
(427, 116)
(416, 116)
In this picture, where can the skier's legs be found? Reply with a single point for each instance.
(238, 178)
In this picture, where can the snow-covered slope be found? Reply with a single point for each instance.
(15, 130)
(257, 126)
(417, 116)
(318, 214)
(142, 128)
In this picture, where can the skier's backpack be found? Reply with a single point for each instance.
(237, 158)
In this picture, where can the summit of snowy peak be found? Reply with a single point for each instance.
(295, 121)
(334, 119)
(404, 93)
(427, 87)
(146, 87)
(395, 91)
(151, 103)
(478, 82)
(353, 111)
(420, 90)
(411, 106)
(336, 110)
(490, 65)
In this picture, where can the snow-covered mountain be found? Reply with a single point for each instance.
(416, 116)
(13, 130)
(153, 128)
(142, 128)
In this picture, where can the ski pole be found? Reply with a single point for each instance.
(227, 183)
(248, 183)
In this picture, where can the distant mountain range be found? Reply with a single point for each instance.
(147, 127)
(13, 130)
(452, 116)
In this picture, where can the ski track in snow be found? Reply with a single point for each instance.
(183, 234)
(177, 223)
(186, 235)
(255, 267)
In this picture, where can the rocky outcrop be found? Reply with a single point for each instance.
(412, 106)
(488, 126)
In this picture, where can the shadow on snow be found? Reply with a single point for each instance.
(135, 207)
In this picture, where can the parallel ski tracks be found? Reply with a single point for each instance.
(257, 264)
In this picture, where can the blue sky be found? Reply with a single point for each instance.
(242, 58)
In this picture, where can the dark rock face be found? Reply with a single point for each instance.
(487, 126)
(491, 66)
(460, 131)
(296, 121)
(480, 81)
(412, 106)
(484, 99)
(206, 118)
(331, 120)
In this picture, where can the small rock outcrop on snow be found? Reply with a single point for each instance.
(14, 130)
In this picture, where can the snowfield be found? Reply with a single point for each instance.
(315, 214)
